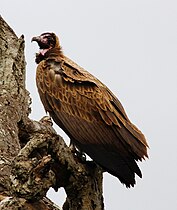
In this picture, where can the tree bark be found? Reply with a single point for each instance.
(33, 157)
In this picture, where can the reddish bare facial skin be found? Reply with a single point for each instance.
(43, 51)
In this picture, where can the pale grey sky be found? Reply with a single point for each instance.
(131, 45)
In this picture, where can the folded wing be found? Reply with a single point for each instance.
(92, 117)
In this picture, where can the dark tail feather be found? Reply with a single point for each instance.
(124, 169)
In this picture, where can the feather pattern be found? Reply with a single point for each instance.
(91, 115)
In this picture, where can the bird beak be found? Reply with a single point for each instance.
(36, 39)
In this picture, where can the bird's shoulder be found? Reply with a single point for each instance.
(77, 73)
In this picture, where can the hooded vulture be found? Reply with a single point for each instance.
(88, 112)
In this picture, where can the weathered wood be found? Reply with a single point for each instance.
(14, 99)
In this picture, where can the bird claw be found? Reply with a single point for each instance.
(79, 154)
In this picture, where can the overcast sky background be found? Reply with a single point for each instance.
(131, 46)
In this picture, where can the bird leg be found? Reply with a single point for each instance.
(77, 152)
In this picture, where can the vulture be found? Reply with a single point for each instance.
(88, 112)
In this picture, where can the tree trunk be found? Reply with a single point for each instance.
(33, 157)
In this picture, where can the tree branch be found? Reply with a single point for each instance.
(33, 157)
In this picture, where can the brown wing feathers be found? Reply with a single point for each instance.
(91, 115)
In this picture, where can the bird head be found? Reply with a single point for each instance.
(46, 41)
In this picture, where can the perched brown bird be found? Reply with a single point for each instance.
(88, 112)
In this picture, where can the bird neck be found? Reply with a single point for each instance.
(53, 53)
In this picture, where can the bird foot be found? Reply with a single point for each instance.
(79, 154)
